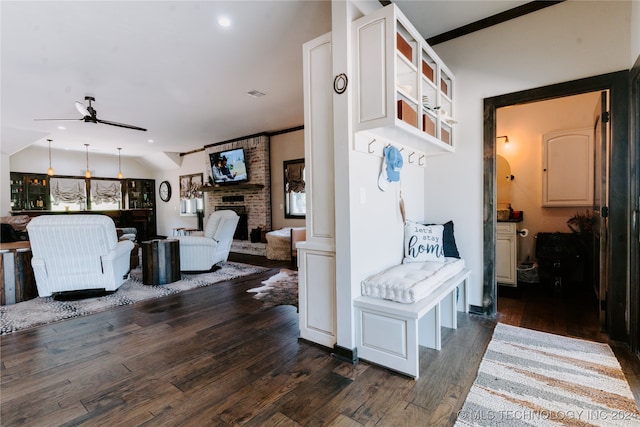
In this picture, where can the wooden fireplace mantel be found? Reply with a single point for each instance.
(232, 187)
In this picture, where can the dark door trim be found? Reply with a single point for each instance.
(634, 330)
(618, 85)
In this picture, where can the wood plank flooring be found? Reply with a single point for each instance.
(211, 356)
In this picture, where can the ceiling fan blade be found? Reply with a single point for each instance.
(66, 120)
(82, 109)
(122, 125)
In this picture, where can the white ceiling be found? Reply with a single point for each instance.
(168, 67)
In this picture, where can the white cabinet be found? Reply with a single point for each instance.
(403, 91)
(506, 253)
(316, 256)
(317, 295)
(567, 168)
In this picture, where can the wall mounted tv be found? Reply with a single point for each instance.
(228, 167)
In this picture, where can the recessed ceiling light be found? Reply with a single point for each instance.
(223, 21)
(61, 127)
(255, 94)
(150, 141)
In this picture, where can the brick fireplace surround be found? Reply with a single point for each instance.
(254, 197)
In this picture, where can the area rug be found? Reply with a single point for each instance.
(530, 378)
(281, 289)
(40, 311)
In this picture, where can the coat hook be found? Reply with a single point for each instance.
(369, 147)
(420, 160)
(410, 156)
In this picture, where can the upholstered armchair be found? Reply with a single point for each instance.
(77, 252)
(201, 253)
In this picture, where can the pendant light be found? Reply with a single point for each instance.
(87, 173)
(50, 170)
(119, 164)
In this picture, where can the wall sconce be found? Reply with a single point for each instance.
(87, 173)
(50, 170)
(506, 138)
(119, 164)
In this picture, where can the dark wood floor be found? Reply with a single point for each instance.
(211, 356)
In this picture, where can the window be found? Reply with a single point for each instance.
(295, 200)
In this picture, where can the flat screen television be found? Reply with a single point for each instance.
(228, 167)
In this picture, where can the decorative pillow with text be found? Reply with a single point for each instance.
(423, 242)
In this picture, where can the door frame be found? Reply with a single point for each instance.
(634, 253)
(617, 84)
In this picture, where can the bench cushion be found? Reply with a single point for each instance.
(410, 282)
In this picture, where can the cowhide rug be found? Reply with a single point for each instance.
(281, 289)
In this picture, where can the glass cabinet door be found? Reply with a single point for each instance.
(140, 193)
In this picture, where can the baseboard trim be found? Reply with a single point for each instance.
(475, 309)
(349, 355)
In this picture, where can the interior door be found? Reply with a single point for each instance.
(600, 205)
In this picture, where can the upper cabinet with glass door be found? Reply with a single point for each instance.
(403, 90)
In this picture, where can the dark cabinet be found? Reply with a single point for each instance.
(30, 194)
(29, 191)
(140, 193)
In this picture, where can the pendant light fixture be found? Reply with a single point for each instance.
(119, 164)
(50, 170)
(87, 173)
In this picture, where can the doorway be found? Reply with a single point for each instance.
(548, 146)
(618, 86)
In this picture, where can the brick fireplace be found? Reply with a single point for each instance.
(251, 200)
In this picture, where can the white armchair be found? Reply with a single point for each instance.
(201, 253)
(77, 252)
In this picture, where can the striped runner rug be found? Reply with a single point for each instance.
(530, 378)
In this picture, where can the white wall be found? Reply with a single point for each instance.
(525, 126)
(5, 194)
(168, 213)
(564, 42)
(34, 159)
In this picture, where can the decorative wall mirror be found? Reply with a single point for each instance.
(295, 202)
(191, 194)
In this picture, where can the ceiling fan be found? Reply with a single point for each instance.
(90, 115)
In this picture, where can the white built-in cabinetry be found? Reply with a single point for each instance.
(316, 256)
(567, 168)
(507, 253)
(403, 91)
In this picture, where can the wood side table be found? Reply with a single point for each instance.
(160, 261)
(17, 282)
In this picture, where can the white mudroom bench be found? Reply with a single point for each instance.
(389, 332)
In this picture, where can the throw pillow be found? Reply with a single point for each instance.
(449, 240)
(423, 243)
